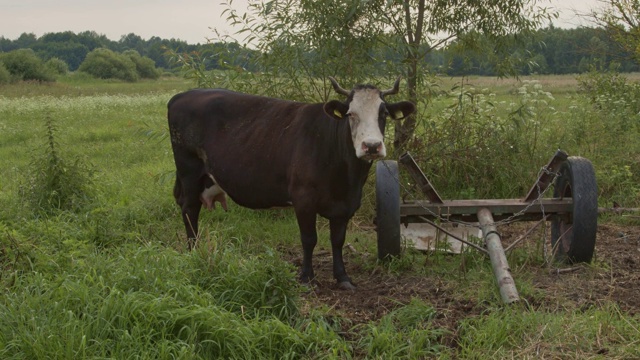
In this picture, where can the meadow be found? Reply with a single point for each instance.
(93, 260)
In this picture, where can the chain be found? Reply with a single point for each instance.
(541, 194)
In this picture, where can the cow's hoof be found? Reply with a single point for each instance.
(306, 279)
(309, 287)
(347, 285)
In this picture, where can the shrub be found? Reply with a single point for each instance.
(145, 67)
(5, 76)
(465, 145)
(607, 134)
(23, 64)
(57, 66)
(106, 64)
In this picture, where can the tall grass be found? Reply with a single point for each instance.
(406, 333)
(158, 303)
(519, 333)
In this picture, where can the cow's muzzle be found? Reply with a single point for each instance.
(373, 150)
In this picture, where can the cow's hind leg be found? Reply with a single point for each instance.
(187, 190)
(338, 227)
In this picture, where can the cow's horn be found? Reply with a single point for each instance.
(394, 90)
(337, 87)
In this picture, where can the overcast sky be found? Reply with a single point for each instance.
(188, 20)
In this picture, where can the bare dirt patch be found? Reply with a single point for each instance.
(613, 277)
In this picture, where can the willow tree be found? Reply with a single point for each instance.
(420, 26)
(621, 18)
(302, 40)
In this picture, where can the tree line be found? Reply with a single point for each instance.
(73, 48)
(550, 50)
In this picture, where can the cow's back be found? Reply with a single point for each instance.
(250, 144)
(203, 113)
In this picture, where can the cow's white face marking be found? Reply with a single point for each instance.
(364, 111)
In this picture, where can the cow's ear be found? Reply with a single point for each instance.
(336, 109)
(401, 110)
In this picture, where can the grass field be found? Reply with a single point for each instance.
(109, 275)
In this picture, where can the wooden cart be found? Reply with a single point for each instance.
(573, 212)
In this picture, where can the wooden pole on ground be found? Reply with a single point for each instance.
(501, 270)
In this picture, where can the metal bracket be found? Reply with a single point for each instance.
(420, 178)
(547, 176)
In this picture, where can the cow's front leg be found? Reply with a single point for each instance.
(338, 228)
(309, 238)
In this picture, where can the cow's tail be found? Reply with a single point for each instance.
(177, 190)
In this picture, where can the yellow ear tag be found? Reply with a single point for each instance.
(337, 113)
(398, 115)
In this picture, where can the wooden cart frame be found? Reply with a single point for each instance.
(573, 212)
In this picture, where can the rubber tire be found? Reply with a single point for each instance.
(576, 180)
(388, 209)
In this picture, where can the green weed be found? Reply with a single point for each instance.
(406, 333)
(57, 183)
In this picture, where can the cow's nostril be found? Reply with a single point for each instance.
(372, 148)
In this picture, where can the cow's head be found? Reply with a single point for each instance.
(367, 113)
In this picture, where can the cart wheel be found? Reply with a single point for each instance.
(574, 237)
(388, 208)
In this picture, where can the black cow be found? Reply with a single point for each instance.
(266, 152)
